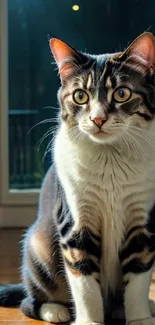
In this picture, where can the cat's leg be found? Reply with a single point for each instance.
(43, 267)
(44, 278)
(137, 259)
(49, 306)
(82, 252)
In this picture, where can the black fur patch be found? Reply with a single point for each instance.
(135, 266)
(86, 267)
(84, 241)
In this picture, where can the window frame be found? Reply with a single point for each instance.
(9, 198)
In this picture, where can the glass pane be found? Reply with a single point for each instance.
(98, 26)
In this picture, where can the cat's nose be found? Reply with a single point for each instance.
(99, 121)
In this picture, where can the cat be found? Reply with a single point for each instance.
(93, 242)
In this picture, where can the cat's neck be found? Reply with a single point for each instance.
(78, 159)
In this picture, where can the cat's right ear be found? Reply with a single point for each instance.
(65, 56)
(141, 52)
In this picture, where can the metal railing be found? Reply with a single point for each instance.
(25, 166)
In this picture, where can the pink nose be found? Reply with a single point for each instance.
(99, 121)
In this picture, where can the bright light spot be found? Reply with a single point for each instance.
(75, 7)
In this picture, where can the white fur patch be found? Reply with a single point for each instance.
(88, 299)
(136, 296)
(104, 185)
(89, 81)
(54, 313)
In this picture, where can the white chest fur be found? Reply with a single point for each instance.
(106, 189)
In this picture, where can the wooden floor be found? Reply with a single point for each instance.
(9, 273)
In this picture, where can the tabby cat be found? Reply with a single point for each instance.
(93, 243)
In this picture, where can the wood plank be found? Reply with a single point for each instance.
(15, 316)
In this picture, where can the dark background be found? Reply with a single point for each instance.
(99, 26)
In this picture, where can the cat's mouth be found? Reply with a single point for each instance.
(101, 134)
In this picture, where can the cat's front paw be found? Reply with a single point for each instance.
(146, 321)
(54, 313)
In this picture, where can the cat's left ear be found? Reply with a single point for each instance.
(65, 56)
(142, 52)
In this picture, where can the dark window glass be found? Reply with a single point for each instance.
(98, 26)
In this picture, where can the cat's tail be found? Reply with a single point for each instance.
(11, 295)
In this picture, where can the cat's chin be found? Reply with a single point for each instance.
(101, 137)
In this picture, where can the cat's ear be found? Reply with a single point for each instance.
(65, 56)
(142, 51)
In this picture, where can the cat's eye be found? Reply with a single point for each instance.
(80, 97)
(122, 94)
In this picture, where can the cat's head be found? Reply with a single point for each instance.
(106, 96)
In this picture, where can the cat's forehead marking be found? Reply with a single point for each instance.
(89, 81)
(108, 83)
(93, 78)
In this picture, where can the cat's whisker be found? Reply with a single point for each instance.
(138, 151)
(146, 132)
(51, 107)
(50, 120)
(135, 151)
(75, 133)
(51, 131)
(76, 136)
(145, 138)
(48, 149)
(137, 144)
(127, 144)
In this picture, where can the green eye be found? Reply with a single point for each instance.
(122, 94)
(80, 97)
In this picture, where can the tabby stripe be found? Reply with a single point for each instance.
(127, 69)
(137, 222)
(87, 64)
(151, 221)
(107, 73)
(96, 237)
(135, 266)
(137, 245)
(146, 101)
(61, 218)
(60, 214)
(144, 256)
(29, 280)
(85, 267)
(40, 271)
(132, 230)
(145, 116)
(113, 80)
(136, 68)
(136, 233)
(83, 241)
(69, 222)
